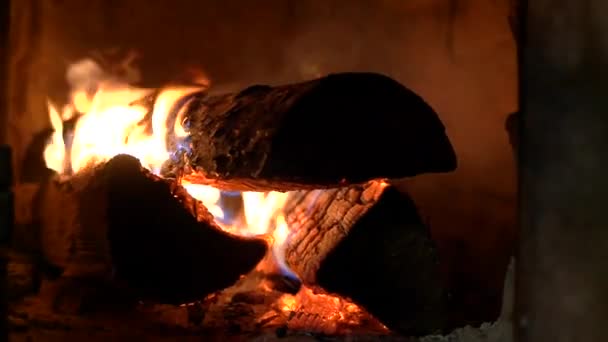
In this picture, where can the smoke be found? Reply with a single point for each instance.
(85, 75)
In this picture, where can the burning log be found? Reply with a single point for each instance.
(368, 243)
(119, 219)
(340, 129)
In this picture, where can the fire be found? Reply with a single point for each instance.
(111, 122)
(324, 312)
(110, 125)
(54, 153)
(112, 119)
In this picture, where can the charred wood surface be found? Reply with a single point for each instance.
(339, 129)
(367, 242)
(119, 222)
(162, 238)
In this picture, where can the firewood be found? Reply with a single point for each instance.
(331, 131)
(367, 242)
(148, 233)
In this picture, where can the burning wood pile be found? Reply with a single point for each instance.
(269, 208)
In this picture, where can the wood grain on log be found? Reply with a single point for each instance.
(119, 219)
(339, 129)
(367, 242)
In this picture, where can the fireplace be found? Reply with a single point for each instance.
(308, 194)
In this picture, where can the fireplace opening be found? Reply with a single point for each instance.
(322, 194)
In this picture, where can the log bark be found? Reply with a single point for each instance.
(339, 129)
(119, 221)
(367, 242)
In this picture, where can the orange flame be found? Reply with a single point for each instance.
(54, 153)
(110, 124)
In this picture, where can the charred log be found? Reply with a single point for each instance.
(119, 221)
(368, 243)
(175, 241)
(335, 130)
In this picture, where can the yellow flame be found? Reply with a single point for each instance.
(281, 231)
(210, 197)
(288, 302)
(262, 210)
(54, 153)
(81, 102)
(110, 124)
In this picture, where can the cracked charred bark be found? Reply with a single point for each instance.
(327, 132)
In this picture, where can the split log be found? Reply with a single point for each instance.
(367, 242)
(339, 129)
(512, 127)
(149, 234)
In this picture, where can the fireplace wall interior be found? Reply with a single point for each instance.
(459, 55)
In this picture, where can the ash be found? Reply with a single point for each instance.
(499, 331)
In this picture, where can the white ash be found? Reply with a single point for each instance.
(499, 331)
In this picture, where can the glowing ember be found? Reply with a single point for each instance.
(325, 312)
(288, 303)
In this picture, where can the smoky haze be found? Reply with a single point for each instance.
(458, 55)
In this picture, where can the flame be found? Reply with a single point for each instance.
(54, 153)
(288, 302)
(110, 125)
(111, 122)
(210, 196)
(328, 310)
